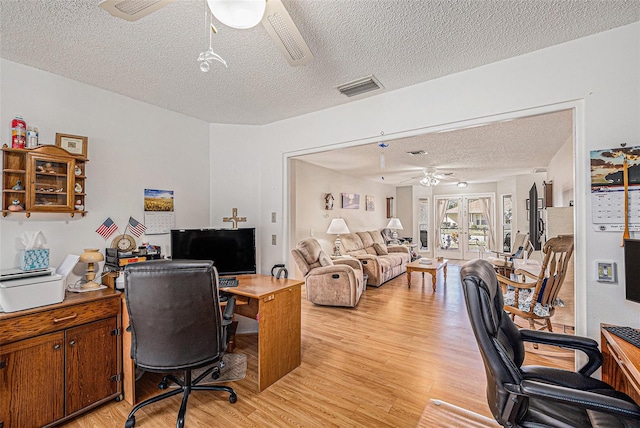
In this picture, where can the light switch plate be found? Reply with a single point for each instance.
(273, 239)
(273, 217)
(606, 272)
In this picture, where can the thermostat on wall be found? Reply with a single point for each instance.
(606, 272)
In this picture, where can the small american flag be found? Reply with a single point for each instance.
(107, 228)
(136, 227)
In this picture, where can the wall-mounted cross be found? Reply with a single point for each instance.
(234, 218)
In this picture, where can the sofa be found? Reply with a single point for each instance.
(380, 262)
(328, 282)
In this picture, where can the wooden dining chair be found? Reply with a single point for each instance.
(503, 262)
(534, 299)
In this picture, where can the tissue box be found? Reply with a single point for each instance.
(34, 259)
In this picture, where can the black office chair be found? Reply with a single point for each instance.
(536, 396)
(176, 325)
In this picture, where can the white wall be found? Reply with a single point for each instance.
(312, 182)
(596, 75)
(131, 146)
(560, 172)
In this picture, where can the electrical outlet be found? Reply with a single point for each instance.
(273, 239)
(273, 217)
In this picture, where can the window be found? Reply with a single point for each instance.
(507, 214)
(423, 224)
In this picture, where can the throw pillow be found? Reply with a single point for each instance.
(324, 259)
(381, 249)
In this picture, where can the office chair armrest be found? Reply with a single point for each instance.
(227, 315)
(575, 397)
(579, 343)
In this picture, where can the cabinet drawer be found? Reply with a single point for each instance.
(57, 319)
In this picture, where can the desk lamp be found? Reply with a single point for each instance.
(394, 224)
(337, 227)
(91, 256)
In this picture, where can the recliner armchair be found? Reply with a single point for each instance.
(328, 282)
(176, 325)
(535, 396)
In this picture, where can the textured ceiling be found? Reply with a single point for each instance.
(401, 42)
(476, 154)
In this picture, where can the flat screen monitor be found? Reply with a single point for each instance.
(632, 269)
(233, 251)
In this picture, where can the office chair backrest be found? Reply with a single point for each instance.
(498, 338)
(174, 312)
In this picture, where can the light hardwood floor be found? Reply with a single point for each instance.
(376, 365)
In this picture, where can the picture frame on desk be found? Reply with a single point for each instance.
(74, 144)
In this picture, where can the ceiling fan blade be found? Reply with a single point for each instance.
(285, 34)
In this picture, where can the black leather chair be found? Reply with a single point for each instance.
(176, 325)
(536, 396)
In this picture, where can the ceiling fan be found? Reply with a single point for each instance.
(432, 177)
(271, 13)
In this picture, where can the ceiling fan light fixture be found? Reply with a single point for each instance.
(429, 180)
(240, 14)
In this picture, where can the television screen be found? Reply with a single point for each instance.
(632, 269)
(233, 251)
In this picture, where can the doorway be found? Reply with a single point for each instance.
(465, 226)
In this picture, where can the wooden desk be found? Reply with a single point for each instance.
(621, 364)
(275, 304)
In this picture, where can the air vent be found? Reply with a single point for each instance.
(537, 170)
(360, 86)
(132, 10)
(417, 153)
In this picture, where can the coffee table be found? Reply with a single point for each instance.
(432, 268)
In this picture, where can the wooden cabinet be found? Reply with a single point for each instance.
(60, 360)
(44, 179)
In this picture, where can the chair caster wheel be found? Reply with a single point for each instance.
(233, 398)
(163, 384)
(216, 374)
(131, 422)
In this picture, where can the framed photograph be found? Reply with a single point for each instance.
(351, 201)
(74, 144)
(370, 205)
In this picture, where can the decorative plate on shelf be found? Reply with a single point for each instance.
(78, 188)
(124, 243)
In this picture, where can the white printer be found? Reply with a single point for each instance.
(21, 290)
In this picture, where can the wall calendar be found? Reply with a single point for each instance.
(159, 217)
(608, 189)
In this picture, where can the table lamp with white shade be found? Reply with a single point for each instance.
(338, 226)
(394, 224)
